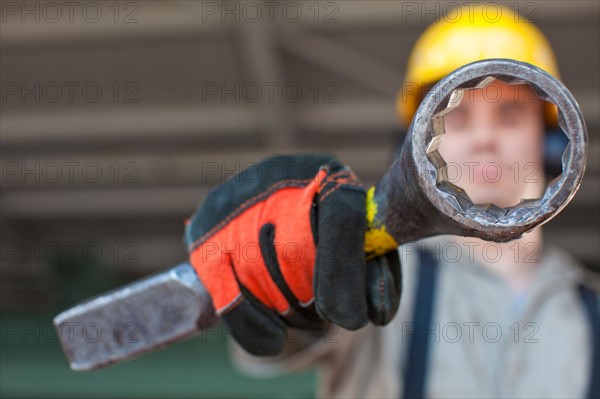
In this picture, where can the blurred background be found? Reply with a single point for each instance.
(117, 117)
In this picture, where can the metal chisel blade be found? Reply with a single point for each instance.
(135, 319)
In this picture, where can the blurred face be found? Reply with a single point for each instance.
(494, 144)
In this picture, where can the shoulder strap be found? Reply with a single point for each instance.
(591, 304)
(418, 346)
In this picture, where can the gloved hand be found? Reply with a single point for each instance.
(281, 243)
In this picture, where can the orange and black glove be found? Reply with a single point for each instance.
(281, 243)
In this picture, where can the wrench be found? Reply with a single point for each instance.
(411, 201)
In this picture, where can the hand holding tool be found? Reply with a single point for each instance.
(413, 200)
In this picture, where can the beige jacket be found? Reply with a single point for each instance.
(481, 345)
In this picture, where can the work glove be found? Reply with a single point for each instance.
(282, 244)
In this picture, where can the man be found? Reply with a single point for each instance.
(476, 319)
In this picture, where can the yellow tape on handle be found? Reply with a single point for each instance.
(377, 240)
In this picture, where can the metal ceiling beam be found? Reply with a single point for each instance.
(344, 60)
(177, 18)
(92, 126)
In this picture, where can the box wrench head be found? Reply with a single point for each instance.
(414, 200)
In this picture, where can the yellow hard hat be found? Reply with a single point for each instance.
(468, 34)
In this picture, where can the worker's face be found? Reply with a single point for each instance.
(494, 144)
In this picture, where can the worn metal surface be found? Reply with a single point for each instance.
(172, 306)
(411, 203)
(135, 319)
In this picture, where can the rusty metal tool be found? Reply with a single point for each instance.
(411, 201)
